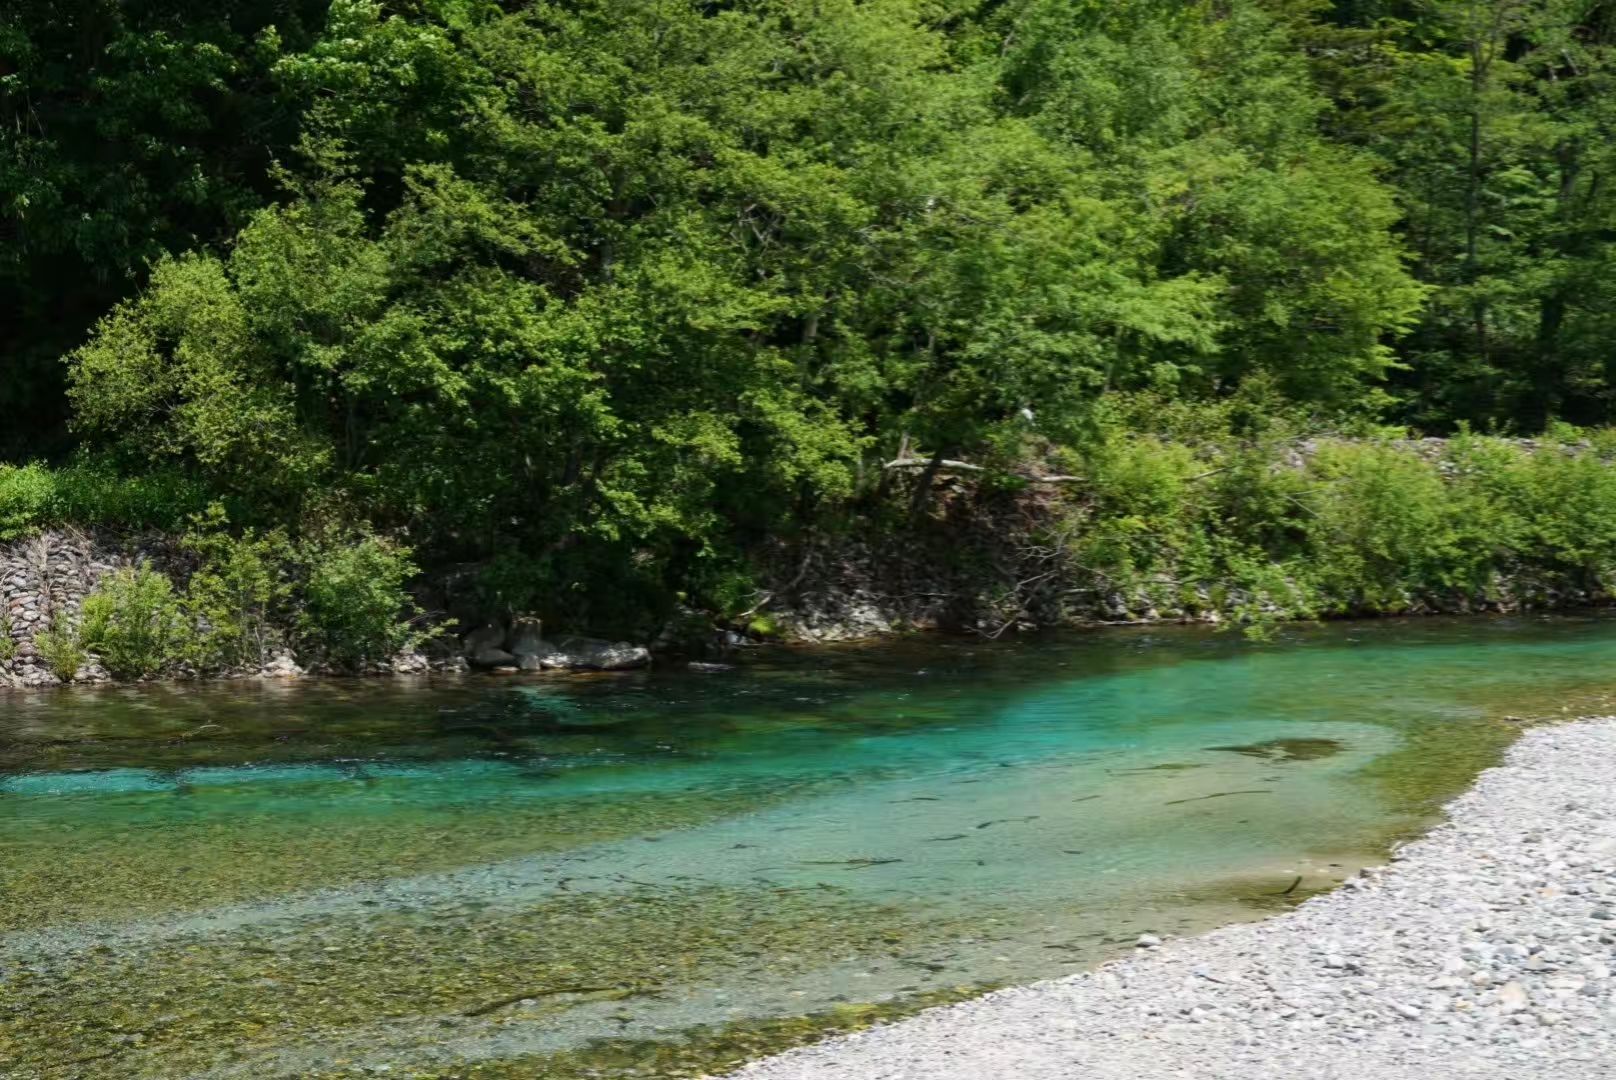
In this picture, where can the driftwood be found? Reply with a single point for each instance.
(951, 465)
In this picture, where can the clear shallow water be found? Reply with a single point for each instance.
(665, 872)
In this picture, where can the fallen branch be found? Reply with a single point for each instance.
(949, 465)
(802, 572)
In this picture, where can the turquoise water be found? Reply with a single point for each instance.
(666, 872)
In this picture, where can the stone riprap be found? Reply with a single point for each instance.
(1486, 950)
(43, 580)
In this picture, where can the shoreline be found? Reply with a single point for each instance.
(419, 666)
(1486, 949)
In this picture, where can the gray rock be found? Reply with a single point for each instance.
(596, 654)
(92, 672)
(1512, 997)
(485, 637)
(281, 667)
(707, 668)
(36, 677)
(489, 657)
(408, 663)
(527, 638)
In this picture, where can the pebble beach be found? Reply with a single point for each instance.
(1484, 949)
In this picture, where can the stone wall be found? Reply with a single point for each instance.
(43, 580)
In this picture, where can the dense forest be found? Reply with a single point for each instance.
(603, 296)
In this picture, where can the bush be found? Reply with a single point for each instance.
(1385, 528)
(62, 651)
(1566, 506)
(236, 594)
(88, 492)
(26, 496)
(355, 607)
(135, 623)
(1364, 526)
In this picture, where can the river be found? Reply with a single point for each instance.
(665, 873)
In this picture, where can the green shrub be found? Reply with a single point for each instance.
(135, 623)
(61, 650)
(1385, 528)
(1566, 504)
(355, 608)
(1364, 526)
(94, 492)
(88, 492)
(236, 594)
(8, 644)
(26, 496)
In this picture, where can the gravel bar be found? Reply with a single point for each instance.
(1485, 950)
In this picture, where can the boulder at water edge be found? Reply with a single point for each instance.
(485, 637)
(596, 654)
(492, 658)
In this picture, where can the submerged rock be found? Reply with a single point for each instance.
(1295, 749)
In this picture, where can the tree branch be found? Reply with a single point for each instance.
(948, 465)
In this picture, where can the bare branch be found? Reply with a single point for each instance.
(948, 465)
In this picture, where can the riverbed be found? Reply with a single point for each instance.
(666, 873)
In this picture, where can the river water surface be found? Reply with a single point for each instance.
(661, 874)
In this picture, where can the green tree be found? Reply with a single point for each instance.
(134, 623)
(1496, 117)
(355, 610)
(127, 131)
(238, 595)
(1205, 122)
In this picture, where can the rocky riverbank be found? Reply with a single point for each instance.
(1162, 531)
(43, 582)
(1486, 950)
(45, 578)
